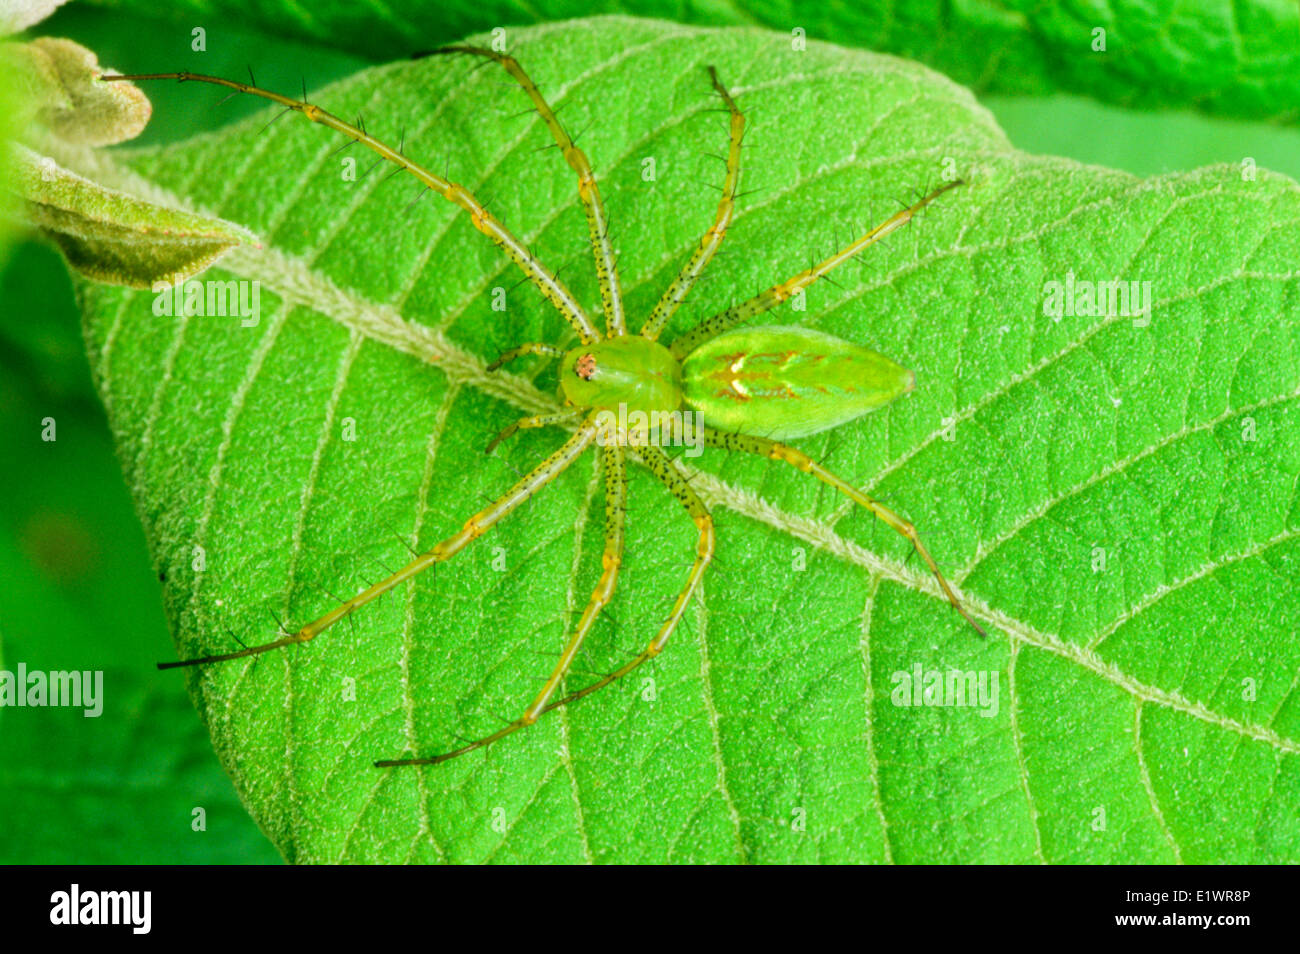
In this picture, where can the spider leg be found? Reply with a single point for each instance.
(536, 420)
(615, 467)
(550, 286)
(764, 447)
(597, 223)
(474, 527)
(686, 278)
(663, 468)
(765, 301)
(532, 347)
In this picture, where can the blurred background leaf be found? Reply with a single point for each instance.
(1233, 57)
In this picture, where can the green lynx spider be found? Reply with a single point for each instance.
(777, 382)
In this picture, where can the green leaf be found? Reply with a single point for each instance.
(115, 237)
(1085, 480)
(61, 93)
(63, 108)
(127, 788)
(120, 788)
(1232, 57)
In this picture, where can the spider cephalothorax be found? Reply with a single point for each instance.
(629, 370)
(745, 389)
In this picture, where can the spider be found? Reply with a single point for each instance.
(750, 388)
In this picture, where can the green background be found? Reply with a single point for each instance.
(79, 591)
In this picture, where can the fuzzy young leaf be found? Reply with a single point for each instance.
(112, 236)
(56, 81)
(60, 106)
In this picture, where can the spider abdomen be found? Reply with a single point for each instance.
(784, 383)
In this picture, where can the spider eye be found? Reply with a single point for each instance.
(586, 367)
